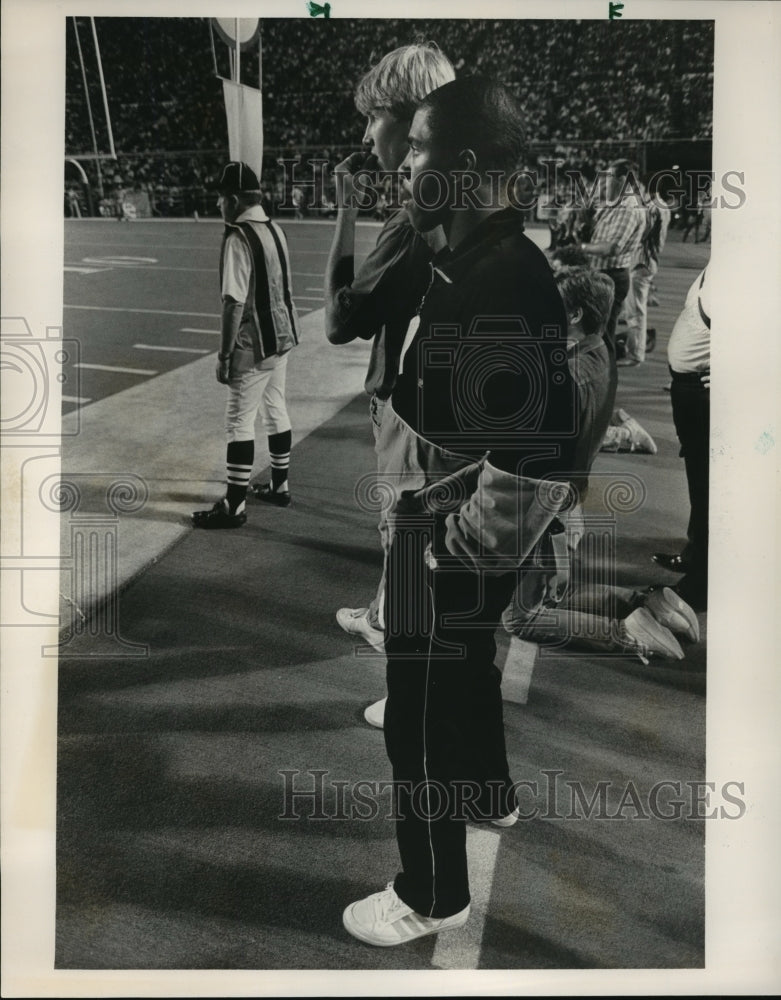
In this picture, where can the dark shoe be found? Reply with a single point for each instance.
(268, 495)
(673, 563)
(650, 340)
(218, 517)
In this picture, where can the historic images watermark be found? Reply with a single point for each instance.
(522, 189)
(316, 794)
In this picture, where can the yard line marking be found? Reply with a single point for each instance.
(113, 368)
(111, 263)
(516, 661)
(308, 298)
(316, 290)
(165, 347)
(193, 329)
(81, 400)
(77, 269)
(208, 248)
(121, 260)
(461, 949)
(153, 312)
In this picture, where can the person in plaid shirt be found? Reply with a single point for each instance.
(618, 231)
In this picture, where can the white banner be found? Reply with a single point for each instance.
(244, 110)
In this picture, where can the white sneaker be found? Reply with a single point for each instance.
(639, 438)
(672, 611)
(375, 714)
(648, 638)
(383, 919)
(510, 820)
(354, 621)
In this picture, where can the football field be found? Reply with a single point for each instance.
(142, 298)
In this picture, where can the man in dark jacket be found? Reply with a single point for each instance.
(484, 398)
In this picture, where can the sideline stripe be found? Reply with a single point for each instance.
(152, 312)
(80, 400)
(460, 949)
(164, 347)
(113, 368)
(193, 329)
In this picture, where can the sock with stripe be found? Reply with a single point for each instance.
(279, 450)
(241, 455)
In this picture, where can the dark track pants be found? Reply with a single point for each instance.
(444, 729)
(691, 415)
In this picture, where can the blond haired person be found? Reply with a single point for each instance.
(378, 301)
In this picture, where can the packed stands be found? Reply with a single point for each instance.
(168, 116)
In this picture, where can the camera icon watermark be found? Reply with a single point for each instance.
(497, 384)
(32, 369)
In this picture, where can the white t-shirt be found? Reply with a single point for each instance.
(689, 347)
(237, 265)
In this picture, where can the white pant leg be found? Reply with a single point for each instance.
(637, 312)
(245, 395)
(273, 409)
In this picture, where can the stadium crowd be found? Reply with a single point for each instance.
(169, 124)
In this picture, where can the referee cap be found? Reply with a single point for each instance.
(237, 178)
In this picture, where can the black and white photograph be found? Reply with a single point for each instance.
(385, 607)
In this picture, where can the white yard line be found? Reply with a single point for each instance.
(460, 949)
(81, 400)
(152, 312)
(517, 661)
(193, 329)
(164, 347)
(114, 368)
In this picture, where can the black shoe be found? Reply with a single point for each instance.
(269, 495)
(650, 340)
(218, 517)
(673, 563)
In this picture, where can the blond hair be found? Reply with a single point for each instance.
(402, 78)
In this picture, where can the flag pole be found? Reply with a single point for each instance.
(103, 89)
(89, 107)
(237, 80)
(237, 42)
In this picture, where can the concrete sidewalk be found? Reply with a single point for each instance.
(172, 459)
